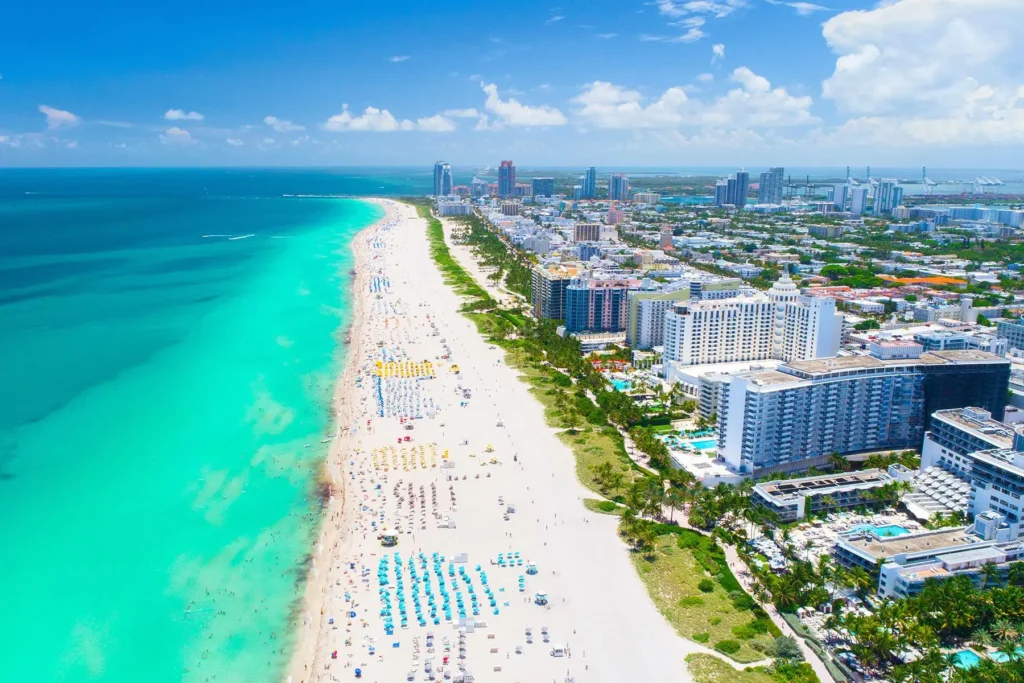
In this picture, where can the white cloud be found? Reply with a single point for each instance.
(177, 136)
(554, 20)
(114, 124)
(58, 118)
(934, 71)
(234, 142)
(755, 104)
(717, 52)
(73, 144)
(372, 120)
(512, 112)
(607, 105)
(268, 141)
(435, 124)
(282, 126)
(462, 113)
(180, 115)
(606, 36)
(299, 140)
(705, 77)
(802, 8)
(692, 15)
(716, 8)
(397, 59)
(121, 145)
(691, 35)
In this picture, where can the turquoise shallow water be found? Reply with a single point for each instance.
(157, 393)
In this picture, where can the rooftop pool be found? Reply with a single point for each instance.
(886, 531)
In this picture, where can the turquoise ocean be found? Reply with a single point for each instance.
(169, 342)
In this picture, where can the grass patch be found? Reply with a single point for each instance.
(673, 577)
(593, 447)
(605, 507)
(711, 669)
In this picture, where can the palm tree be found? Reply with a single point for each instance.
(860, 580)
(1002, 629)
(1015, 574)
(675, 499)
(990, 572)
(1008, 647)
(839, 462)
(981, 637)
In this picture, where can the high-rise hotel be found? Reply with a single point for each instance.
(779, 324)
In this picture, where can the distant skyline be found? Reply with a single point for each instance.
(671, 83)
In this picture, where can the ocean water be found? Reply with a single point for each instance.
(169, 342)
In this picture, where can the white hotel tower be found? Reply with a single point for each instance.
(779, 324)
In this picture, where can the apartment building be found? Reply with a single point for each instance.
(780, 324)
(794, 417)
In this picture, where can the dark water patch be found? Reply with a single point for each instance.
(44, 273)
(38, 293)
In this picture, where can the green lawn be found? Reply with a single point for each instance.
(604, 507)
(593, 447)
(710, 669)
(672, 579)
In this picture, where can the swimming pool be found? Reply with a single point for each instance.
(704, 444)
(1002, 657)
(966, 659)
(621, 385)
(886, 531)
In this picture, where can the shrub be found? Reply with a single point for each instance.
(744, 632)
(715, 621)
(607, 506)
(689, 540)
(706, 585)
(742, 601)
(729, 647)
(560, 379)
(691, 601)
(785, 647)
(702, 637)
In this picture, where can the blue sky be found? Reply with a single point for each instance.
(664, 82)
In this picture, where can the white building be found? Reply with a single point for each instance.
(780, 324)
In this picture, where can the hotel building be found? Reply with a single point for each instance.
(780, 324)
(794, 417)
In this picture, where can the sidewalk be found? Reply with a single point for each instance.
(742, 574)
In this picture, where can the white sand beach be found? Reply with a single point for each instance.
(462, 469)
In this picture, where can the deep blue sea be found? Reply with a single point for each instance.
(169, 342)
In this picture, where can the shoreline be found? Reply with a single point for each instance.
(498, 498)
(331, 538)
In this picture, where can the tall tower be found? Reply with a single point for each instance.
(442, 179)
(507, 180)
(590, 183)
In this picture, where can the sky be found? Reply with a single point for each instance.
(679, 83)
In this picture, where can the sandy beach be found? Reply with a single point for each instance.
(499, 571)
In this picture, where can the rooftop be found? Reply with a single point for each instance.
(825, 366)
(928, 541)
(979, 423)
(822, 485)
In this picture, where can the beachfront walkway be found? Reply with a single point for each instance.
(743, 575)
